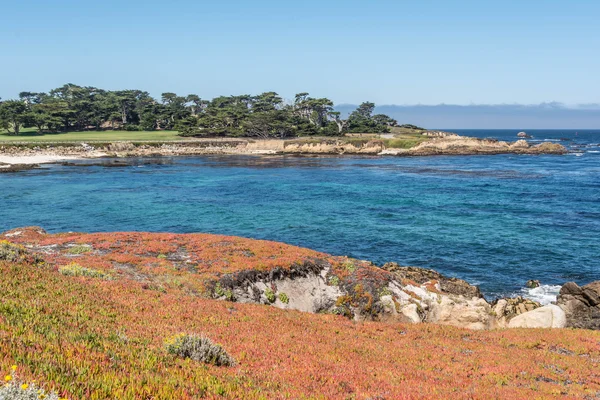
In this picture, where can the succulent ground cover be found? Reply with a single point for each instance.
(85, 337)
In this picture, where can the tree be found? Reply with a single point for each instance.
(13, 115)
(269, 124)
(361, 120)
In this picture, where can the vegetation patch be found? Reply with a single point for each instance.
(222, 292)
(17, 253)
(198, 348)
(15, 389)
(284, 298)
(79, 249)
(270, 295)
(75, 269)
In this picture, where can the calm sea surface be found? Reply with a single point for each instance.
(496, 221)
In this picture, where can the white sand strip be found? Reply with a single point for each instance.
(37, 159)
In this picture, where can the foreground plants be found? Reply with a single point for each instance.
(198, 348)
(15, 389)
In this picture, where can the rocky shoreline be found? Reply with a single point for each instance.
(287, 277)
(437, 144)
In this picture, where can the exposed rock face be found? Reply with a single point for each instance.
(506, 309)
(421, 275)
(581, 305)
(473, 313)
(550, 316)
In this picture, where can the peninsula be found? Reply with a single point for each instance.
(86, 122)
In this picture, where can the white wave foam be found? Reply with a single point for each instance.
(544, 294)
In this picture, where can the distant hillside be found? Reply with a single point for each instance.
(503, 116)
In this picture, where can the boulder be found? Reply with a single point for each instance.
(473, 313)
(550, 316)
(532, 284)
(508, 308)
(581, 305)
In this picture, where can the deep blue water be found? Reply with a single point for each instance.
(496, 221)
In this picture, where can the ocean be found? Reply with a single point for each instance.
(493, 220)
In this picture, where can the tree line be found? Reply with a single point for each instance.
(267, 115)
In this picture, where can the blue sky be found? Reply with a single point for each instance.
(389, 52)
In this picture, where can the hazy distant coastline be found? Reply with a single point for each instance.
(493, 116)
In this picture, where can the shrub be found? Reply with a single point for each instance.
(284, 298)
(14, 389)
(198, 348)
(75, 269)
(334, 281)
(270, 295)
(79, 249)
(220, 292)
(385, 291)
(16, 253)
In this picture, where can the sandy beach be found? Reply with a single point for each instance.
(33, 159)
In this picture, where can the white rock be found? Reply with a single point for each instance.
(410, 312)
(458, 311)
(550, 316)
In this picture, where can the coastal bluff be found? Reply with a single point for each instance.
(242, 270)
(108, 307)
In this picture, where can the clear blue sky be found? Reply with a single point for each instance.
(389, 52)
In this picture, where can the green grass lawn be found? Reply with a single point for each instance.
(31, 135)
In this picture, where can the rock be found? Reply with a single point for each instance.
(411, 312)
(549, 148)
(522, 144)
(421, 275)
(532, 283)
(508, 308)
(474, 313)
(550, 316)
(581, 305)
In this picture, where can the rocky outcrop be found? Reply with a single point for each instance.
(460, 145)
(363, 292)
(581, 305)
(421, 276)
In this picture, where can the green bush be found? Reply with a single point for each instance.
(79, 249)
(270, 295)
(220, 292)
(284, 298)
(75, 269)
(198, 348)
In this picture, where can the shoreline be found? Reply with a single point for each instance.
(38, 153)
(312, 281)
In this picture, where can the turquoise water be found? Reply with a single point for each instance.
(496, 221)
